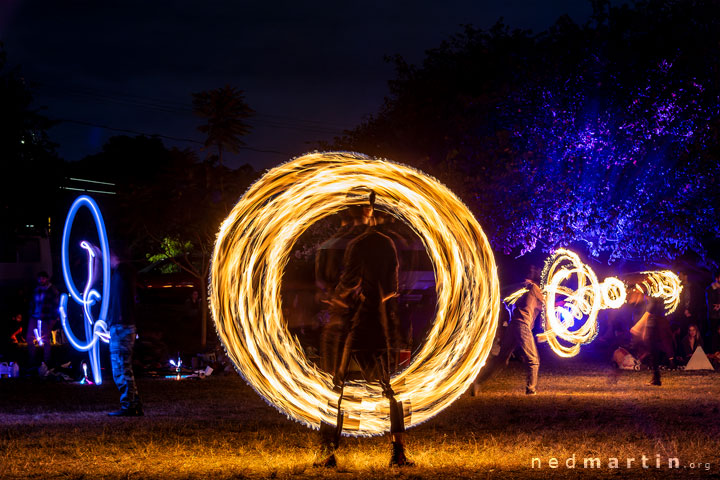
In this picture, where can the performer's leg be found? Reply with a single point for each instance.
(530, 358)
(330, 344)
(379, 368)
(656, 356)
(122, 340)
(330, 435)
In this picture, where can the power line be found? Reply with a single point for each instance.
(171, 106)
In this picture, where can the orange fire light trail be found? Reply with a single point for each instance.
(251, 254)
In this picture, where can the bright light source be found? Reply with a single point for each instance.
(573, 294)
(251, 254)
(94, 329)
(664, 284)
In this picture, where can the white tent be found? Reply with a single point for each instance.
(699, 361)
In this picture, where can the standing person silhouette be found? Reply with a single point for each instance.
(368, 334)
(121, 322)
(519, 335)
(43, 316)
(651, 335)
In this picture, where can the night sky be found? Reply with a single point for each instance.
(308, 71)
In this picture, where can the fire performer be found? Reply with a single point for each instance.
(328, 268)
(369, 331)
(651, 335)
(519, 334)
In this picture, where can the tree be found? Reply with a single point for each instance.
(225, 111)
(601, 136)
(31, 168)
(180, 214)
(168, 204)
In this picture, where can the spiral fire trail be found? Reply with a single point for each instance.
(582, 302)
(568, 300)
(252, 251)
(663, 284)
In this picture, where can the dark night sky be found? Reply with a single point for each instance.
(310, 71)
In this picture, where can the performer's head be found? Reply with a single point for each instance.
(362, 213)
(43, 278)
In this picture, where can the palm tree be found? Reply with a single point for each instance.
(225, 111)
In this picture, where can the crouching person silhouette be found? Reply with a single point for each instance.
(362, 301)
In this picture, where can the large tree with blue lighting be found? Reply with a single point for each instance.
(603, 136)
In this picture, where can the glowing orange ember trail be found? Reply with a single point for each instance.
(252, 251)
(564, 306)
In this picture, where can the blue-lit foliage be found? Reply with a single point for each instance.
(603, 136)
(628, 176)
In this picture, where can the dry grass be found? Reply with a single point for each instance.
(219, 428)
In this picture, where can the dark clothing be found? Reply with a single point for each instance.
(369, 279)
(362, 324)
(43, 315)
(652, 331)
(688, 347)
(122, 296)
(121, 323)
(44, 304)
(519, 335)
(374, 368)
(122, 340)
(328, 269)
(714, 343)
(652, 337)
(712, 298)
(329, 258)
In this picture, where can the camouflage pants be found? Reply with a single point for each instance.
(122, 339)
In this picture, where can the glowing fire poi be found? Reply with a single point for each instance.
(565, 305)
(664, 284)
(584, 301)
(251, 253)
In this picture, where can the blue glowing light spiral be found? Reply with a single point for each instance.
(95, 329)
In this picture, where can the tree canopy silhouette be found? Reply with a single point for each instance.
(225, 112)
(602, 136)
(30, 166)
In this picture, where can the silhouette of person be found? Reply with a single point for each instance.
(519, 335)
(366, 333)
(651, 335)
(121, 323)
(43, 315)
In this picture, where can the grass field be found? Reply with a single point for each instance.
(220, 428)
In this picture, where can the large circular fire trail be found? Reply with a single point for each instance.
(252, 251)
